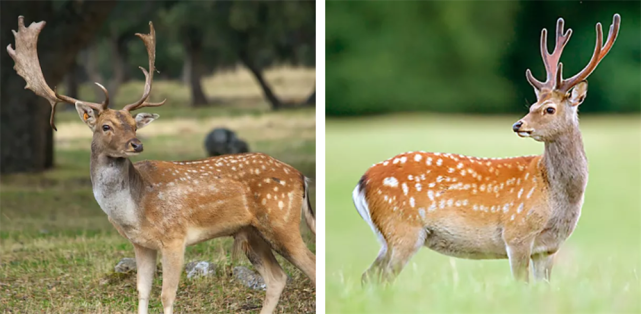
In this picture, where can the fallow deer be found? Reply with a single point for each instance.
(166, 206)
(519, 208)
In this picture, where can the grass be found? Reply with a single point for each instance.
(598, 267)
(58, 251)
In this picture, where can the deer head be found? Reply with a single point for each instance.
(558, 99)
(114, 131)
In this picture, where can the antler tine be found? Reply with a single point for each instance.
(599, 53)
(150, 43)
(27, 65)
(551, 61)
(105, 103)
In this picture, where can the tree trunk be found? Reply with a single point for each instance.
(26, 139)
(258, 74)
(185, 76)
(194, 48)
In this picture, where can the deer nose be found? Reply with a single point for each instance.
(516, 126)
(136, 144)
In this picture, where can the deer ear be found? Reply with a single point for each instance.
(87, 115)
(578, 93)
(142, 119)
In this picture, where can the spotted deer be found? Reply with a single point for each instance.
(166, 206)
(519, 208)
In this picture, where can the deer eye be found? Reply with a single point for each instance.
(550, 110)
(106, 127)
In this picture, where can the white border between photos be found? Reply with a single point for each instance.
(320, 156)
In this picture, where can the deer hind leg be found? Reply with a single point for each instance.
(294, 249)
(259, 253)
(283, 233)
(542, 266)
(402, 244)
(146, 265)
(288, 242)
(172, 264)
(375, 271)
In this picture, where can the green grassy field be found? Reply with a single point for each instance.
(58, 251)
(597, 270)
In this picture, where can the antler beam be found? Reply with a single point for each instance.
(150, 43)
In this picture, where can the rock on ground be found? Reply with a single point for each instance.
(249, 278)
(200, 269)
(125, 265)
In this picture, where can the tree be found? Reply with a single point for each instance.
(262, 34)
(26, 143)
(256, 34)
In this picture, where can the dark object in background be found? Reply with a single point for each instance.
(222, 141)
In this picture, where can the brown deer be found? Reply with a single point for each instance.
(166, 206)
(519, 208)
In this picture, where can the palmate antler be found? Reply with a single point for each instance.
(28, 67)
(554, 69)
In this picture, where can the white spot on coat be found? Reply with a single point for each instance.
(529, 194)
(390, 181)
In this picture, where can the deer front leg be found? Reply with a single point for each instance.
(146, 265)
(519, 256)
(172, 264)
(542, 266)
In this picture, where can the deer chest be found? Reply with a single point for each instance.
(118, 205)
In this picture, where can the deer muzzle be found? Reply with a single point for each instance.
(136, 145)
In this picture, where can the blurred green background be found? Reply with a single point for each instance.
(470, 57)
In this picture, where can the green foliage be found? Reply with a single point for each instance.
(270, 32)
(463, 56)
(596, 270)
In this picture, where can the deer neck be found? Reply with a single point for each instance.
(567, 166)
(116, 186)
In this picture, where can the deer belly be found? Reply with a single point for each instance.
(466, 241)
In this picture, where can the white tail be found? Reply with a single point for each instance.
(167, 206)
(518, 208)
